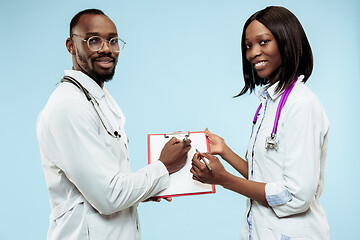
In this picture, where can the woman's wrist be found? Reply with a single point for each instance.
(225, 153)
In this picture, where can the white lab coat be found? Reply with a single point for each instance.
(297, 167)
(93, 194)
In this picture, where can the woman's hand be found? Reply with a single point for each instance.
(202, 174)
(217, 144)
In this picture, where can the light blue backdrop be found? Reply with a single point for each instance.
(179, 70)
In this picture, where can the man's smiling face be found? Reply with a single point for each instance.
(99, 65)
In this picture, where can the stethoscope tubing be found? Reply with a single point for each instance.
(92, 100)
(282, 102)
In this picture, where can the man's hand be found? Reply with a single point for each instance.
(174, 154)
(156, 199)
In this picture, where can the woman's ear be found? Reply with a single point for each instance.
(70, 46)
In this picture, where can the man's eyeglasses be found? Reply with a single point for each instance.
(95, 43)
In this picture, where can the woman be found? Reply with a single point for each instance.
(284, 166)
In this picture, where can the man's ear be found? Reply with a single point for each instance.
(70, 46)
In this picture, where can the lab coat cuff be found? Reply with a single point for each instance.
(161, 166)
(277, 194)
(161, 171)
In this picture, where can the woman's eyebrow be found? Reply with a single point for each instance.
(261, 35)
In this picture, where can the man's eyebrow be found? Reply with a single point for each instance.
(91, 33)
(98, 34)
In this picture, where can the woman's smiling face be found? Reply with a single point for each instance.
(262, 51)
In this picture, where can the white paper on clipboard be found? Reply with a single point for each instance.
(181, 182)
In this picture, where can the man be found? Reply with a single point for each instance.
(83, 144)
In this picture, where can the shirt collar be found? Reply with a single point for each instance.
(269, 91)
(87, 82)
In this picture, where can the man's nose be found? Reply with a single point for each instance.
(106, 47)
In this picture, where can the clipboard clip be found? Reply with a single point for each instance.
(184, 134)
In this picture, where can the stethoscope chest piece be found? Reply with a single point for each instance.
(271, 142)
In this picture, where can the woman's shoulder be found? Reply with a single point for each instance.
(302, 92)
(303, 101)
(303, 95)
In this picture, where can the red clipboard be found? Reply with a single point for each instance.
(181, 182)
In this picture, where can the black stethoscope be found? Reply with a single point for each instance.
(94, 103)
(272, 141)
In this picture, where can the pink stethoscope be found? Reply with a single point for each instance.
(271, 141)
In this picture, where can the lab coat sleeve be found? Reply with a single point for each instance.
(83, 156)
(305, 132)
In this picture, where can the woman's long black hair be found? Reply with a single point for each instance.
(294, 47)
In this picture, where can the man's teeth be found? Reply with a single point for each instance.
(104, 61)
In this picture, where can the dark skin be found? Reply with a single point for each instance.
(219, 176)
(174, 154)
(96, 64)
(170, 155)
(100, 66)
(262, 52)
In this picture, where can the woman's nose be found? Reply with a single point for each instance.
(254, 52)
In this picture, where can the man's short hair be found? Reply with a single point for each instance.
(76, 18)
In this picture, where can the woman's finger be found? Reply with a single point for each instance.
(196, 160)
(208, 133)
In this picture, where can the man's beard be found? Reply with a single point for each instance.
(105, 77)
(98, 77)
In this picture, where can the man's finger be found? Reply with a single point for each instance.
(174, 140)
(187, 142)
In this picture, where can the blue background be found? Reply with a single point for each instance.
(179, 70)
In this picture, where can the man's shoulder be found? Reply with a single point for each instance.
(67, 99)
(66, 93)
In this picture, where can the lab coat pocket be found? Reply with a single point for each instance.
(295, 227)
(65, 218)
(60, 210)
(273, 234)
(107, 227)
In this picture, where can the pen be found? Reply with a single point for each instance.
(207, 165)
